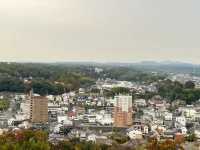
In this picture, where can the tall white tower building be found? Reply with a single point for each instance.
(123, 111)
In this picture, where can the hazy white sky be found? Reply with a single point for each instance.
(100, 30)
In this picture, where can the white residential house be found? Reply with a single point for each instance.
(83, 135)
(91, 138)
(11, 121)
(190, 113)
(56, 129)
(183, 130)
(81, 90)
(140, 127)
(168, 116)
(161, 129)
(62, 119)
(145, 129)
(197, 116)
(54, 108)
(91, 118)
(135, 134)
(24, 125)
(104, 119)
(140, 102)
(180, 121)
(111, 101)
(50, 97)
(197, 133)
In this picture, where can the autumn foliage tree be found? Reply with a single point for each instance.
(153, 144)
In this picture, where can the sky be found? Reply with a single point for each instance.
(100, 30)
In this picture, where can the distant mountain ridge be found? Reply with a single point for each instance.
(148, 66)
(167, 63)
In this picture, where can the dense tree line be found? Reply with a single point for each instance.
(28, 140)
(169, 144)
(175, 90)
(38, 140)
(9, 83)
(131, 74)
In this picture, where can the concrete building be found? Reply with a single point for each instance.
(39, 109)
(123, 111)
(25, 108)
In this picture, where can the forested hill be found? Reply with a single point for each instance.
(53, 78)
(45, 78)
(164, 67)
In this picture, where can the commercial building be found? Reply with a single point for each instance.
(123, 111)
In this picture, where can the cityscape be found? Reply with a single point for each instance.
(101, 111)
(99, 75)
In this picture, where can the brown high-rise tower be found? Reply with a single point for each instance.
(39, 109)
